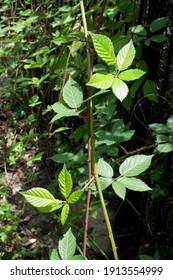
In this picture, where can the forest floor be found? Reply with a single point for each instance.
(35, 230)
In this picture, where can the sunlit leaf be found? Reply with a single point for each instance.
(120, 89)
(133, 184)
(104, 48)
(65, 182)
(75, 196)
(131, 75)
(101, 81)
(42, 199)
(64, 213)
(125, 56)
(135, 165)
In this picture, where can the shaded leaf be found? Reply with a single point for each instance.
(78, 257)
(53, 254)
(104, 169)
(105, 182)
(150, 90)
(72, 94)
(158, 38)
(158, 24)
(119, 189)
(62, 111)
(169, 123)
(67, 246)
(165, 148)
(159, 127)
(139, 30)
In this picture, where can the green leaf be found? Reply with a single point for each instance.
(75, 196)
(158, 38)
(162, 138)
(169, 123)
(165, 148)
(104, 48)
(105, 182)
(62, 111)
(131, 75)
(64, 213)
(104, 169)
(53, 254)
(133, 184)
(63, 39)
(65, 182)
(135, 165)
(145, 257)
(120, 89)
(119, 189)
(158, 24)
(67, 246)
(78, 257)
(101, 81)
(139, 30)
(42, 199)
(105, 137)
(159, 128)
(72, 94)
(121, 132)
(150, 90)
(125, 56)
(62, 158)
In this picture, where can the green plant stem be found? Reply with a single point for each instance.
(92, 165)
(89, 134)
(98, 185)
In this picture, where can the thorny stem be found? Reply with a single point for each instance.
(92, 164)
